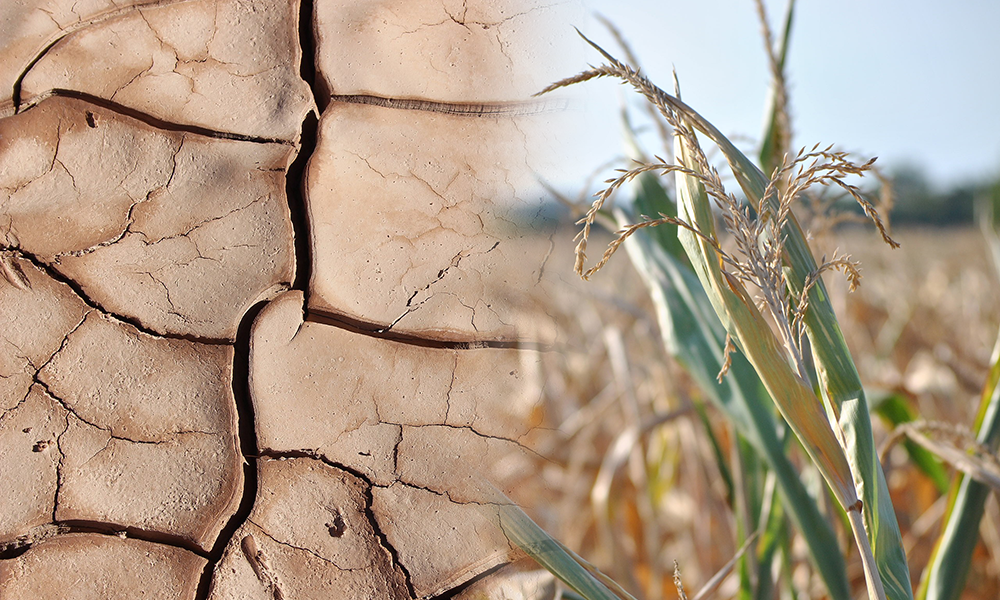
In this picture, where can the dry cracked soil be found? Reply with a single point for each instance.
(270, 316)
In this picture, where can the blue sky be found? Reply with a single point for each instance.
(914, 82)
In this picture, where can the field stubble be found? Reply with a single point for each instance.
(923, 322)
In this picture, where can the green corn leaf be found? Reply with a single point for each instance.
(753, 492)
(843, 453)
(744, 322)
(572, 570)
(788, 568)
(839, 379)
(794, 399)
(720, 460)
(775, 534)
(945, 576)
(772, 149)
(651, 199)
(894, 408)
(694, 336)
(750, 474)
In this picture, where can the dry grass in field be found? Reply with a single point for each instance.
(652, 463)
(923, 321)
(926, 315)
(611, 375)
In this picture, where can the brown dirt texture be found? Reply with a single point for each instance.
(270, 315)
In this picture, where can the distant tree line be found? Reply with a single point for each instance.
(920, 202)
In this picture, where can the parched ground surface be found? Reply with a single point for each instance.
(273, 294)
(279, 305)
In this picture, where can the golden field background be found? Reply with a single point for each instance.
(923, 322)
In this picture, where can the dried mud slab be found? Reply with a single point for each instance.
(461, 463)
(177, 231)
(186, 63)
(145, 446)
(35, 319)
(143, 212)
(113, 425)
(456, 51)
(27, 27)
(443, 544)
(433, 430)
(136, 397)
(174, 488)
(422, 224)
(355, 398)
(310, 535)
(88, 566)
(29, 463)
(521, 580)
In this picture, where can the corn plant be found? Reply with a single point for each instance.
(772, 257)
(783, 349)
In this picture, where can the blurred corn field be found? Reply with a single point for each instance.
(766, 483)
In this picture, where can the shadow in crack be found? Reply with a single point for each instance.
(246, 432)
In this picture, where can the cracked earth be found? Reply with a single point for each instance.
(269, 311)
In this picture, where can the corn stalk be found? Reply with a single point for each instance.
(835, 431)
